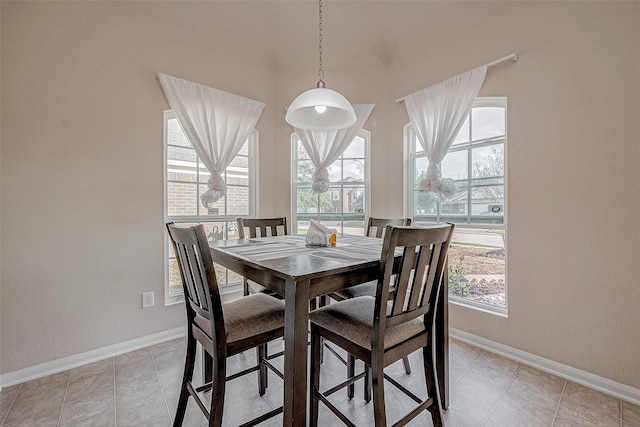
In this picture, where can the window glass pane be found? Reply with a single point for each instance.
(175, 136)
(307, 201)
(457, 205)
(353, 200)
(488, 122)
(175, 282)
(176, 174)
(331, 201)
(488, 161)
(305, 170)
(353, 170)
(335, 171)
(454, 165)
(488, 200)
(244, 151)
(477, 255)
(239, 163)
(237, 200)
(421, 165)
(425, 203)
(181, 199)
(355, 149)
(203, 174)
(477, 266)
(185, 157)
(417, 147)
(346, 198)
(302, 152)
(463, 135)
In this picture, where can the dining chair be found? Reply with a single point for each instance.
(379, 330)
(375, 228)
(223, 330)
(260, 227)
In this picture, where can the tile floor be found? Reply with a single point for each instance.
(141, 389)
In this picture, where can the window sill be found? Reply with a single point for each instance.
(498, 311)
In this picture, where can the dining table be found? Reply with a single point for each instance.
(299, 272)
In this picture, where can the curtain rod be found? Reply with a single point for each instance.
(513, 57)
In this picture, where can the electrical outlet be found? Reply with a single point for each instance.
(147, 299)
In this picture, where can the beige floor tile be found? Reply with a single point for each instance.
(485, 383)
(92, 369)
(46, 418)
(584, 413)
(513, 411)
(465, 411)
(88, 385)
(559, 422)
(38, 396)
(536, 389)
(595, 399)
(96, 409)
(139, 402)
(7, 396)
(631, 413)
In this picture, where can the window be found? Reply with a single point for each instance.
(477, 163)
(185, 180)
(346, 204)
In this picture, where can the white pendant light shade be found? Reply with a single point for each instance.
(320, 109)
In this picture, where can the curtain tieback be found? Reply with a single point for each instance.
(321, 180)
(217, 189)
(444, 187)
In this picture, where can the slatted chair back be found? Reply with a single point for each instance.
(200, 285)
(376, 226)
(416, 283)
(262, 227)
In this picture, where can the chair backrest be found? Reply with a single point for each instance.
(262, 227)
(198, 278)
(377, 226)
(418, 276)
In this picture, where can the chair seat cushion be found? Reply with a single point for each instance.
(353, 319)
(248, 316)
(257, 288)
(364, 290)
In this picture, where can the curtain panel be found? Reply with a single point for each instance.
(325, 147)
(217, 124)
(437, 113)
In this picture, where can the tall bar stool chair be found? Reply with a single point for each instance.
(223, 330)
(375, 228)
(380, 330)
(260, 227)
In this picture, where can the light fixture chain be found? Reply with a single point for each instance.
(320, 72)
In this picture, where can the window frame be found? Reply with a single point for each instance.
(252, 174)
(409, 177)
(366, 136)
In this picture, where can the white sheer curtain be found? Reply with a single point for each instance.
(217, 124)
(437, 113)
(324, 147)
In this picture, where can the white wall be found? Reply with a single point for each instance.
(573, 177)
(82, 170)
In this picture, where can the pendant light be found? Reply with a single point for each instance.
(320, 108)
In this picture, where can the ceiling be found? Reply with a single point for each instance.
(284, 34)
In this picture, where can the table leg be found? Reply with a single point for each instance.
(295, 353)
(442, 339)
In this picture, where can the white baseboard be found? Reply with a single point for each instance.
(604, 385)
(66, 363)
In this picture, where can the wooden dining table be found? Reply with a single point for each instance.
(299, 272)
